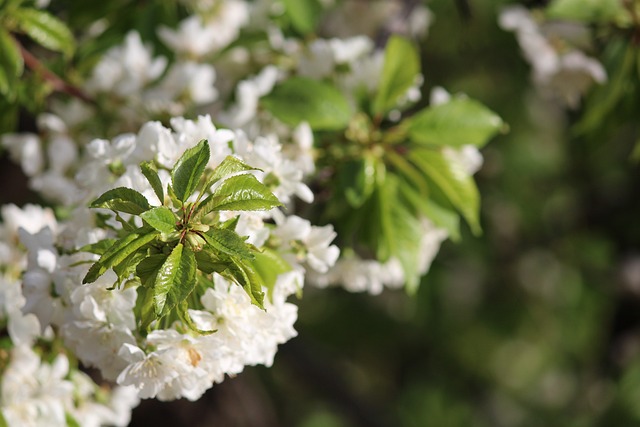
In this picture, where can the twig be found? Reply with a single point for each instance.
(58, 84)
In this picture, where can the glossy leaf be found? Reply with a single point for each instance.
(399, 72)
(45, 29)
(456, 184)
(149, 171)
(229, 165)
(175, 280)
(250, 281)
(11, 64)
(458, 122)
(160, 218)
(188, 170)
(122, 199)
(239, 193)
(301, 99)
(120, 250)
(228, 242)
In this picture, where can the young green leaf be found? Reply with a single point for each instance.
(268, 264)
(238, 193)
(98, 248)
(148, 268)
(304, 14)
(122, 199)
(228, 242)
(301, 99)
(188, 170)
(11, 64)
(160, 218)
(458, 122)
(208, 260)
(358, 178)
(229, 165)
(457, 185)
(144, 309)
(120, 250)
(175, 280)
(45, 29)
(399, 72)
(243, 274)
(149, 171)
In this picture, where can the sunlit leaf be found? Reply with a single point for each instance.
(239, 193)
(228, 242)
(399, 72)
(45, 29)
(301, 99)
(175, 280)
(188, 170)
(160, 218)
(122, 199)
(149, 171)
(458, 122)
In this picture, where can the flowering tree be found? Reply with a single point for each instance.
(200, 163)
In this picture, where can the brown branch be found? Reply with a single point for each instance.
(58, 84)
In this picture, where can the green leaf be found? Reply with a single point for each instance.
(46, 29)
(268, 264)
(398, 237)
(440, 216)
(120, 250)
(175, 280)
(160, 218)
(144, 309)
(98, 248)
(304, 14)
(228, 242)
(399, 72)
(458, 122)
(301, 99)
(243, 274)
(149, 171)
(122, 199)
(148, 268)
(11, 64)
(208, 261)
(358, 179)
(188, 170)
(587, 10)
(238, 193)
(128, 266)
(456, 184)
(229, 165)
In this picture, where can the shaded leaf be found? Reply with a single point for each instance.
(11, 64)
(120, 250)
